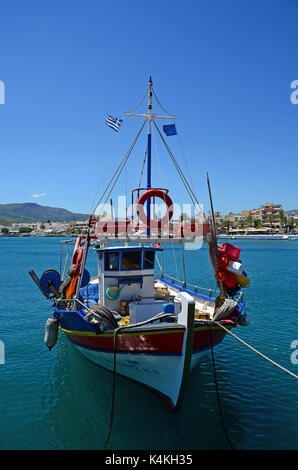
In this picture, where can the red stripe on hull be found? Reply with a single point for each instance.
(202, 338)
(163, 343)
(152, 343)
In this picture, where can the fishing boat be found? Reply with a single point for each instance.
(153, 329)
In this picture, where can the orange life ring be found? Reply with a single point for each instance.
(71, 288)
(77, 259)
(148, 195)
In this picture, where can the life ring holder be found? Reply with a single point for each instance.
(154, 192)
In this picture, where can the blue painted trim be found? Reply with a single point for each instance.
(130, 275)
(126, 248)
(188, 291)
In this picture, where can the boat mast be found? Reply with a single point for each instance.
(149, 112)
(149, 116)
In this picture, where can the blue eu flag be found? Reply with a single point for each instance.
(170, 129)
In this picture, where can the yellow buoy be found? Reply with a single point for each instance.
(243, 280)
(125, 321)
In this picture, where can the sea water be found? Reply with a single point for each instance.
(60, 400)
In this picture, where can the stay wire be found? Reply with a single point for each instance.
(119, 169)
(99, 184)
(139, 102)
(180, 172)
(124, 163)
(161, 104)
(184, 157)
(104, 170)
(143, 167)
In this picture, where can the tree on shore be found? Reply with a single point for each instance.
(242, 223)
(226, 225)
(282, 218)
(5, 230)
(25, 229)
(291, 223)
(249, 220)
(270, 219)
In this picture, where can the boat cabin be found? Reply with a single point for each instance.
(126, 281)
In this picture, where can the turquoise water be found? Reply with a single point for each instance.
(59, 400)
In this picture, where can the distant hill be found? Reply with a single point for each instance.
(292, 212)
(32, 212)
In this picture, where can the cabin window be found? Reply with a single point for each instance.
(131, 280)
(149, 259)
(131, 260)
(112, 261)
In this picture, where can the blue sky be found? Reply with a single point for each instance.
(224, 68)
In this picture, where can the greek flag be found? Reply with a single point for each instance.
(114, 123)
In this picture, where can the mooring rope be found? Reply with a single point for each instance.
(217, 393)
(255, 350)
(214, 370)
(116, 331)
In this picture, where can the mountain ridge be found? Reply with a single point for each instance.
(32, 212)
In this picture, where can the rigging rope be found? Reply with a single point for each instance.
(161, 105)
(184, 158)
(139, 102)
(180, 142)
(180, 172)
(157, 159)
(142, 171)
(104, 170)
(119, 169)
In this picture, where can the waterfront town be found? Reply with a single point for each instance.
(269, 219)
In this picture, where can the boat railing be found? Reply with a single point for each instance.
(73, 300)
(66, 242)
(186, 285)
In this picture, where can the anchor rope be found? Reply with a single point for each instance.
(217, 393)
(116, 331)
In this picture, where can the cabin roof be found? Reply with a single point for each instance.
(126, 248)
